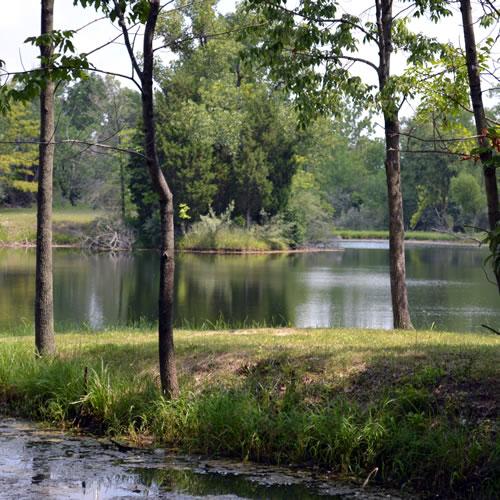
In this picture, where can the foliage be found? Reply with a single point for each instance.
(64, 65)
(308, 210)
(223, 133)
(18, 162)
(226, 132)
(310, 49)
(97, 110)
(465, 191)
(493, 241)
(345, 166)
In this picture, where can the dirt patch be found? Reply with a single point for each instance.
(474, 401)
(205, 368)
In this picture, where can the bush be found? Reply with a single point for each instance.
(360, 218)
(219, 232)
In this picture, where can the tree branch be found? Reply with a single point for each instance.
(85, 143)
(340, 20)
(130, 50)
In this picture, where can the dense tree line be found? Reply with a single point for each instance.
(226, 134)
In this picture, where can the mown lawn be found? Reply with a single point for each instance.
(18, 225)
(421, 407)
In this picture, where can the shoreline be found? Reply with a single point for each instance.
(61, 446)
(467, 243)
(312, 249)
(344, 400)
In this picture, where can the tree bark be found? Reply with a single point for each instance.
(44, 310)
(489, 172)
(122, 183)
(168, 373)
(399, 293)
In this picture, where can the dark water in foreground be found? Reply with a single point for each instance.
(48, 464)
(447, 288)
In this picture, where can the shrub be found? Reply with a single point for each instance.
(219, 232)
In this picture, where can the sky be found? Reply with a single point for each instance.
(22, 19)
(16, 25)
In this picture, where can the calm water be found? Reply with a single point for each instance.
(37, 463)
(447, 288)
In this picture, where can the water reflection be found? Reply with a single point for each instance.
(38, 463)
(447, 288)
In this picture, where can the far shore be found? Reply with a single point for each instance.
(18, 230)
(309, 249)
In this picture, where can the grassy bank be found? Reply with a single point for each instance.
(18, 226)
(353, 234)
(421, 406)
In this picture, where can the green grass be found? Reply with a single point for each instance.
(18, 225)
(409, 235)
(420, 406)
(231, 238)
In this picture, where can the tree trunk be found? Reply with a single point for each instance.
(168, 373)
(399, 293)
(248, 218)
(44, 311)
(122, 184)
(489, 172)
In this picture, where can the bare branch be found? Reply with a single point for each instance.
(454, 139)
(434, 151)
(126, 38)
(340, 20)
(90, 23)
(85, 143)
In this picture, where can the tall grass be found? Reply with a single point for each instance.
(220, 233)
(228, 239)
(280, 404)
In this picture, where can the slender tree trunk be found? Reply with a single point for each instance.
(122, 184)
(248, 218)
(44, 311)
(399, 293)
(168, 373)
(489, 172)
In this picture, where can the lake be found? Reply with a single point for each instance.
(348, 288)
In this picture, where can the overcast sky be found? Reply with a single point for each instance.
(22, 19)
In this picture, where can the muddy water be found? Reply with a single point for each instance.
(37, 463)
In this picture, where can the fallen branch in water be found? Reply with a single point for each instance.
(491, 329)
